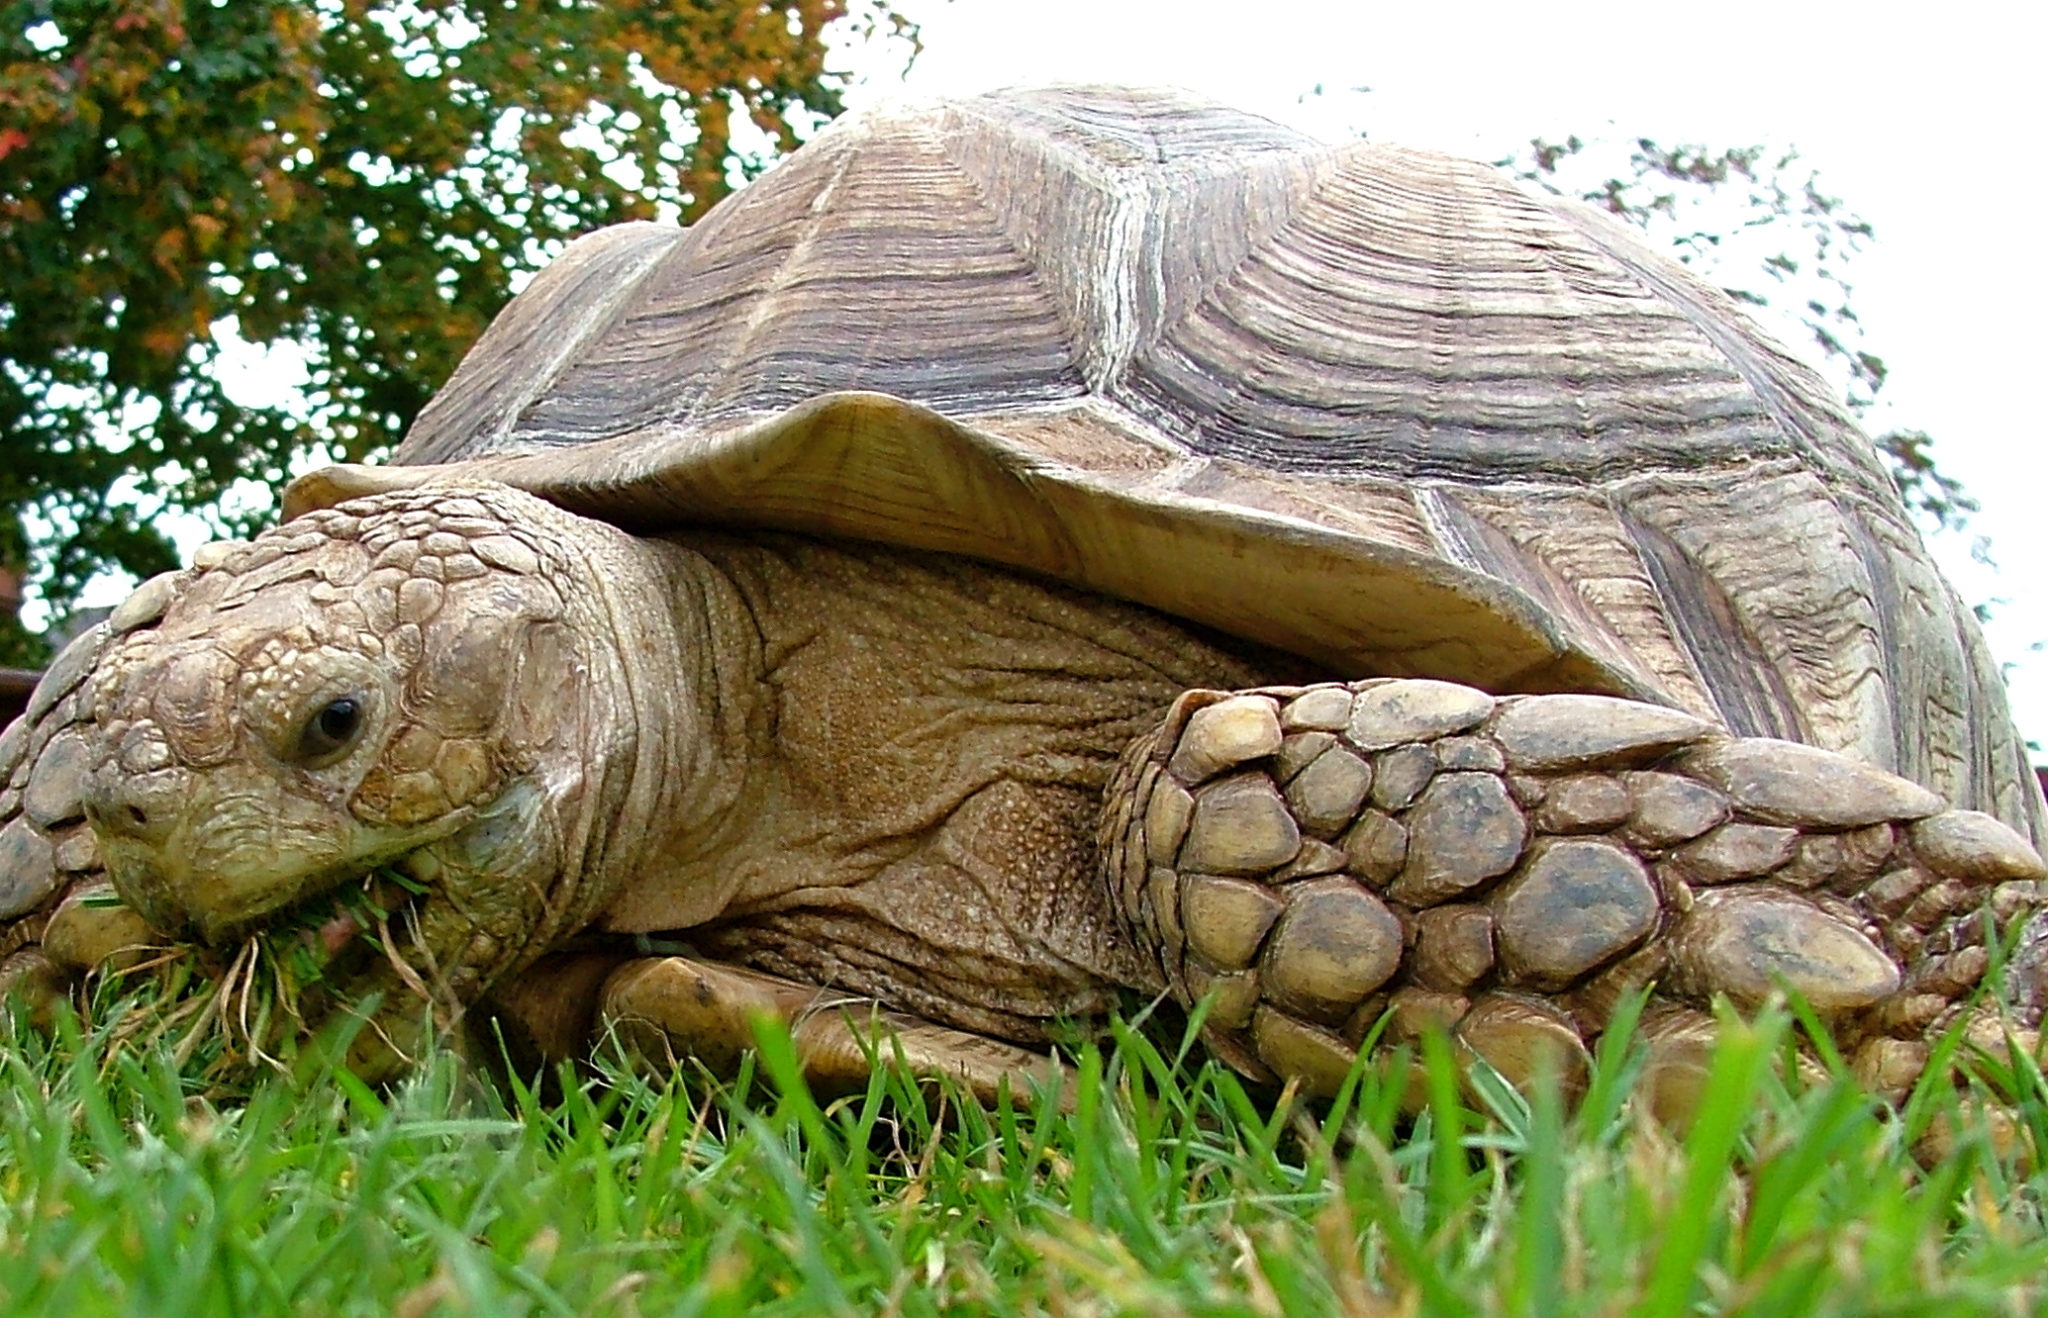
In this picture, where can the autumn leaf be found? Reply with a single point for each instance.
(363, 184)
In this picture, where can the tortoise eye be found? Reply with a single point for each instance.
(331, 730)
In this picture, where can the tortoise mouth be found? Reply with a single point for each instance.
(360, 946)
(345, 927)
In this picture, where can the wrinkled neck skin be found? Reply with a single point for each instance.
(670, 706)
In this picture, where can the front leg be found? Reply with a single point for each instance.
(1310, 860)
(669, 1009)
(51, 930)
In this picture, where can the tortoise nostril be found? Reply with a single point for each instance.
(127, 814)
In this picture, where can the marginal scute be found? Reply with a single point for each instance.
(1240, 826)
(1465, 830)
(1414, 709)
(1745, 941)
(1974, 847)
(1565, 732)
(1162, 888)
(1574, 904)
(1785, 782)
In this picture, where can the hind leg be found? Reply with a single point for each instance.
(1313, 859)
(670, 1009)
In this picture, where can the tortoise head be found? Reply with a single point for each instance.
(402, 685)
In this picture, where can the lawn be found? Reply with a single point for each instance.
(1161, 1185)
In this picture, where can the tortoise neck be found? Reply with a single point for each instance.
(686, 710)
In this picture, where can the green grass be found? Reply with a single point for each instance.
(1157, 1189)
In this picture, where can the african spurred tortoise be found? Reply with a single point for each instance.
(1042, 548)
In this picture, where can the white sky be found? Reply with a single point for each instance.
(1925, 119)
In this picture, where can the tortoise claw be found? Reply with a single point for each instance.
(1312, 859)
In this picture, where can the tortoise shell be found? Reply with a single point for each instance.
(1376, 406)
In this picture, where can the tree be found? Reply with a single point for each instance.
(1758, 223)
(369, 180)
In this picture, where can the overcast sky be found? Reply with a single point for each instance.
(1928, 124)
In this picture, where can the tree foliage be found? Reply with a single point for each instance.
(1757, 222)
(366, 179)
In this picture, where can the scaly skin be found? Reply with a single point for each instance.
(1315, 860)
(475, 637)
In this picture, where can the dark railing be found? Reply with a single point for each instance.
(15, 684)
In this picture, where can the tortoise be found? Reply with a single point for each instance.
(1029, 551)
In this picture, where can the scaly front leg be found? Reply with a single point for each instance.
(50, 933)
(1312, 859)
